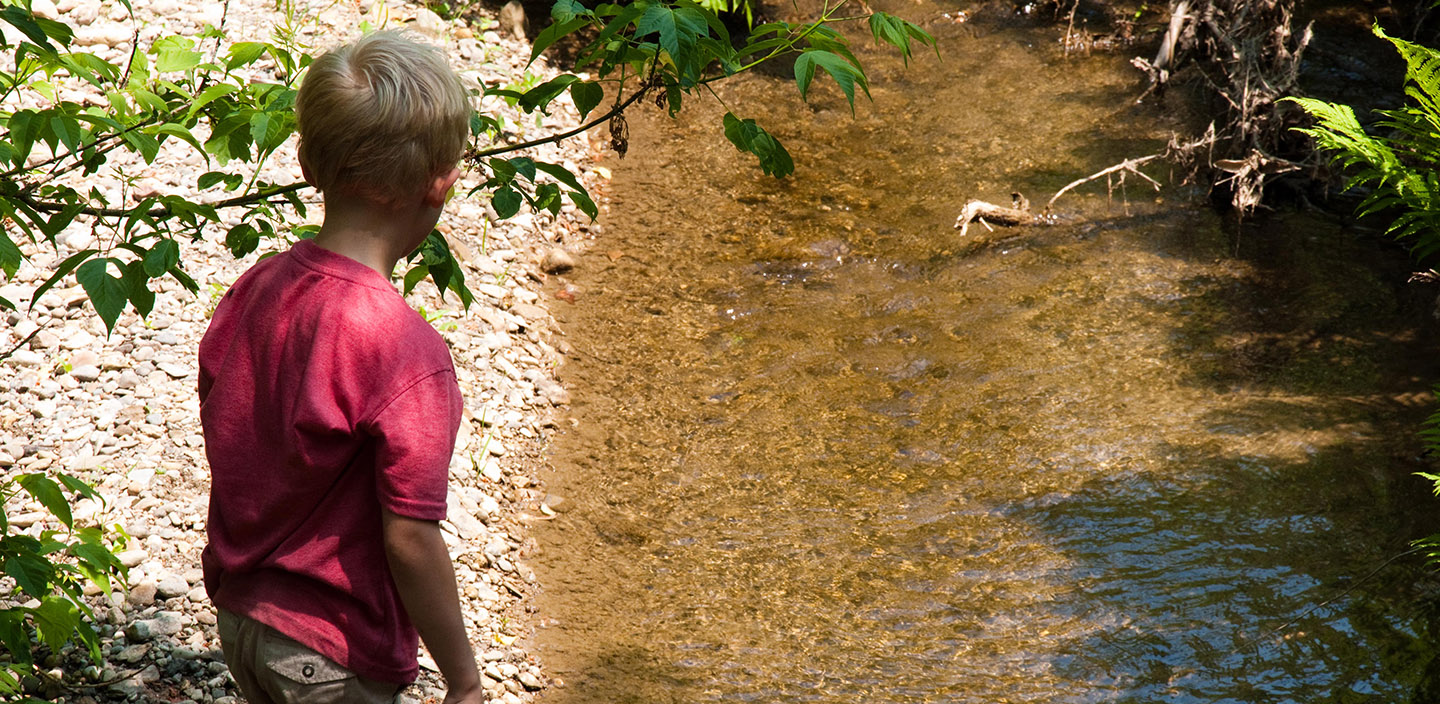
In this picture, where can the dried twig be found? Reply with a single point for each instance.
(1122, 168)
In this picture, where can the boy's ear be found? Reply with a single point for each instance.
(438, 191)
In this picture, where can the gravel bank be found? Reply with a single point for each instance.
(120, 410)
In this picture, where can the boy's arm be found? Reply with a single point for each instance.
(420, 565)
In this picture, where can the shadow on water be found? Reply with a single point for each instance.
(824, 451)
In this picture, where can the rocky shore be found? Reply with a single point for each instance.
(120, 410)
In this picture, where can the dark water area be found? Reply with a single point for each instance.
(825, 450)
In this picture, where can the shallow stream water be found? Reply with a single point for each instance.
(825, 450)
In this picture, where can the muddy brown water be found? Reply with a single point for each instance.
(825, 451)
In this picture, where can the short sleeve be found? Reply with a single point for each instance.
(414, 438)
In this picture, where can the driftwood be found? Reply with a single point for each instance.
(984, 213)
(1019, 213)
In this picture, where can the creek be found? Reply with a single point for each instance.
(824, 450)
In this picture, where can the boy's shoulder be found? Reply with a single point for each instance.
(342, 304)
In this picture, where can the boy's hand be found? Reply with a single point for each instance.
(473, 696)
(425, 578)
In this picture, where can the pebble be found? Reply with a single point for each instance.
(165, 623)
(25, 358)
(175, 371)
(557, 261)
(143, 593)
(170, 586)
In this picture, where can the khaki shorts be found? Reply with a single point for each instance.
(272, 668)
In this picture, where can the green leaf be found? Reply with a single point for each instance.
(10, 255)
(137, 287)
(55, 620)
(149, 100)
(30, 571)
(24, 126)
(503, 169)
(210, 95)
(584, 203)
(540, 97)
(844, 73)
(554, 33)
(507, 202)
(561, 174)
(210, 178)
(242, 239)
(162, 257)
(174, 130)
(31, 26)
(179, 275)
(243, 53)
(62, 218)
(77, 486)
(413, 277)
(49, 494)
(566, 10)
(677, 29)
(13, 635)
(145, 145)
(67, 129)
(107, 293)
(750, 137)
(586, 96)
(61, 271)
(898, 33)
(547, 197)
(175, 53)
(525, 166)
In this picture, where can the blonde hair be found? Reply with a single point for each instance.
(380, 117)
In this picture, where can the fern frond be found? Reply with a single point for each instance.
(1422, 70)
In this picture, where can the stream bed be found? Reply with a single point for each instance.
(824, 450)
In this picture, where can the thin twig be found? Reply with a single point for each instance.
(1127, 165)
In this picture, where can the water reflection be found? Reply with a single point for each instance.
(825, 452)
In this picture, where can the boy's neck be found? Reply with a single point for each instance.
(375, 234)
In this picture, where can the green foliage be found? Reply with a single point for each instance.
(1399, 167)
(48, 572)
(1399, 163)
(208, 96)
(676, 49)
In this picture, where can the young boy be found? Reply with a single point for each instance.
(330, 408)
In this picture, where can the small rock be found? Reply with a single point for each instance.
(530, 682)
(553, 392)
(427, 22)
(559, 504)
(143, 593)
(45, 340)
(165, 623)
(175, 371)
(132, 558)
(529, 312)
(86, 373)
(84, 358)
(25, 358)
(78, 340)
(557, 261)
(133, 653)
(170, 586)
(24, 382)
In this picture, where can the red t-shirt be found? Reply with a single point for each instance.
(323, 398)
